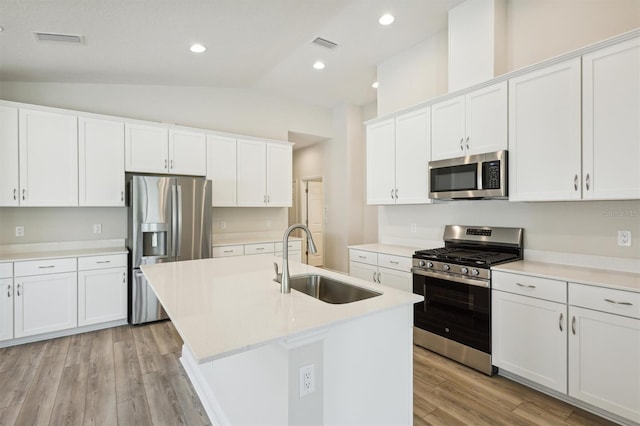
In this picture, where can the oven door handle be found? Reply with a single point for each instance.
(450, 277)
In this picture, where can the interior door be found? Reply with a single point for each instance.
(315, 207)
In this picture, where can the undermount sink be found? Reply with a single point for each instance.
(329, 290)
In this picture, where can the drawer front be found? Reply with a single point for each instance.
(224, 251)
(603, 299)
(394, 262)
(47, 266)
(293, 245)
(542, 288)
(102, 262)
(361, 256)
(258, 248)
(6, 270)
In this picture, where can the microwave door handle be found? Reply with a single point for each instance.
(479, 175)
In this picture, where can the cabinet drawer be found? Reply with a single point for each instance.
(258, 248)
(224, 251)
(47, 266)
(394, 262)
(619, 302)
(6, 270)
(102, 262)
(542, 288)
(362, 256)
(293, 245)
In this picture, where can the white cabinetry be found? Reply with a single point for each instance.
(544, 134)
(9, 164)
(294, 250)
(529, 328)
(604, 349)
(157, 149)
(610, 117)
(48, 158)
(381, 268)
(102, 289)
(222, 169)
(397, 159)
(470, 124)
(6, 301)
(264, 174)
(101, 162)
(45, 297)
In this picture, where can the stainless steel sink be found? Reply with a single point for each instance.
(329, 290)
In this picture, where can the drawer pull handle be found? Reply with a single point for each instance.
(394, 262)
(362, 257)
(47, 267)
(103, 261)
(525, 285)
(259, 248)
(573, 325)
(379, 278)
(560, 321)
(374, 278)
(228, 251)
(618, 303)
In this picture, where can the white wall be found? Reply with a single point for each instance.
(255, 220)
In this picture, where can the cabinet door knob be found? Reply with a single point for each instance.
(560, 321)
(24, 194)
(379, 278)
(171, 164)
(15, 194)
(165, 163)
(374, 278)
(573, 325)
(461, 144)
(268, 199)
(392, 193)
(396, 193)
(587, 181)
(18, 289)
(9, 290)
(467, 142)
(121, 195)
(124, 278)
(575, 183)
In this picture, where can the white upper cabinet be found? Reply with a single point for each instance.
(146, 148)
(610, 122)
(544, 134)
(9, 171)
(222, 169)
(101, 162)
(397, 159)
(187, 153)
(48, 158)
(470, 124)
(264, 174)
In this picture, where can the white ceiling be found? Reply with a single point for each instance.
(255, 44)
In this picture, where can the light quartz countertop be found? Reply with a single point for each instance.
(225, 306)
(232, 241)
(387, 249)
(57, 254)
(591, 276)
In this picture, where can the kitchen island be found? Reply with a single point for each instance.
(247, 347)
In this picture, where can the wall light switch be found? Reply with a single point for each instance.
(19, 231)
(97, 228)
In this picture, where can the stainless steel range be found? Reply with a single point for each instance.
(454, 319)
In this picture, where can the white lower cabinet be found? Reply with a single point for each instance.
(275, 248)
(529, 335)
(45, 303)
(604, 351)
(102, 289)
(381, 268)
(6, 308)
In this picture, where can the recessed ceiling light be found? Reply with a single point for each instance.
(197, 48)
(319, 65)
(375, 85)
(386, 19)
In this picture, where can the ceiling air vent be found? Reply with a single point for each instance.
(325, 43)
(62, 38)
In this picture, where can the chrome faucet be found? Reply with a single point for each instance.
(285, 286)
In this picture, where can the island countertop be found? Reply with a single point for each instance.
(224, 306)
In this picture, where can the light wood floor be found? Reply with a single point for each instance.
(132, 376)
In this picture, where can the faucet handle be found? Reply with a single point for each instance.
(278, 277)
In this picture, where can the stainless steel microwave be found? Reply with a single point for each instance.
(471, 177)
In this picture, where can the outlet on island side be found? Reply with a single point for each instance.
(307, 380)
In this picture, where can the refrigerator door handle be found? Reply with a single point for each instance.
(178, 244)
(174, 221)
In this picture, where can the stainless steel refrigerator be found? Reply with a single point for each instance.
(169, 220)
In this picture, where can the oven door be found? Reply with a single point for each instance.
(454, 310)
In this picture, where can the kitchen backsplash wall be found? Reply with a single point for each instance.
(588, 228)
(59, 224)
(249, 220)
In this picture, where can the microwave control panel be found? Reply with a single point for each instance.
(491, 175)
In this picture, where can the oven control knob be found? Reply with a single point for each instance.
(464, 270)
(429, 264)
(474, 272)
(446, 267)
(421, 263)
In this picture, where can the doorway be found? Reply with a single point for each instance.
(312, 215)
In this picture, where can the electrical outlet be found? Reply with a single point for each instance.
(19, 231)
(413, 228)
(223, 224)
(307, 379)
(624, 238)
(97, 228)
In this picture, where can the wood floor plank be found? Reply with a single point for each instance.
(129, 384)
(17, 381)
(191, 406)
(583, 418)
(39, 401)
(70, 401)
(440, 417)
(79, 349)
(100, 406)
(8, 415)
(134, 411)
(165, 340)
(122, 333)
(163, 402)
(148, 352)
